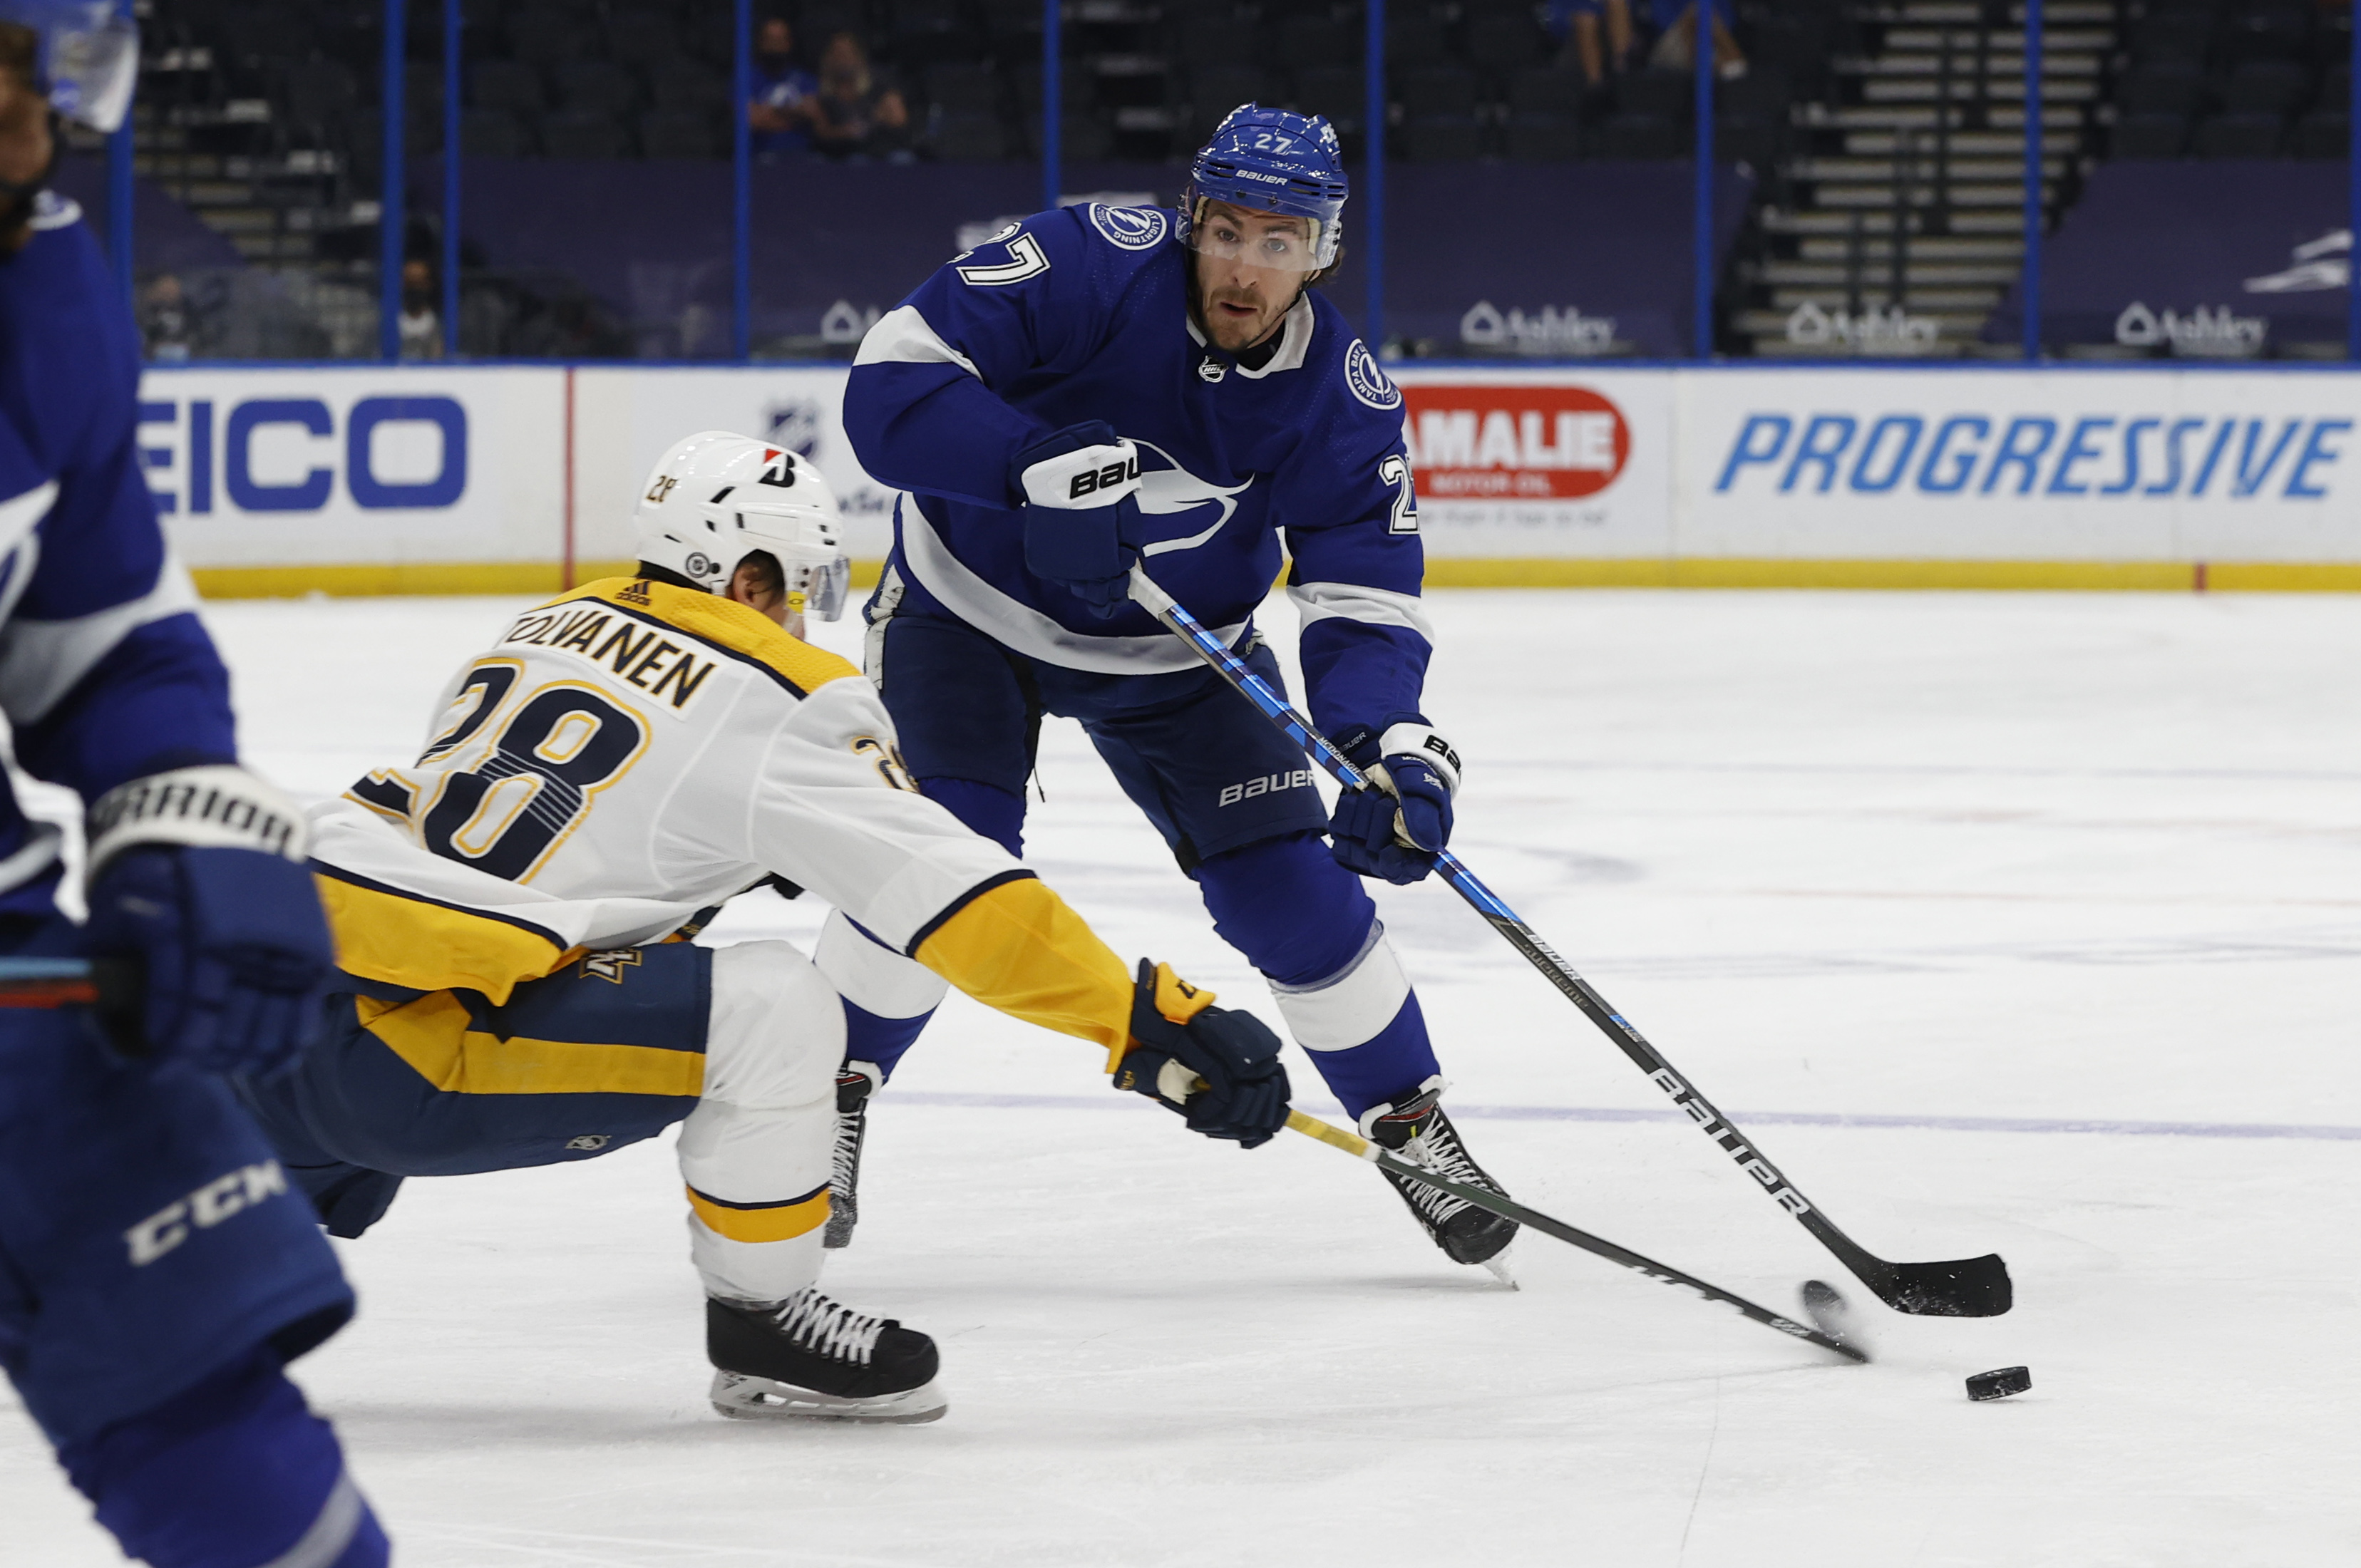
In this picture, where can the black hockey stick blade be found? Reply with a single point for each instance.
(1599, 1247)
(1967, 1287)
(1833, 1315)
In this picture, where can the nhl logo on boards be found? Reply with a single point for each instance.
(1210, 369)
(1368, 383)
(1130, 228)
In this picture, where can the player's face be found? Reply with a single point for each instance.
(1250, 267)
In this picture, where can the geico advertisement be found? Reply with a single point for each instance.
(2056, 465)
(1535, 463)
(624, 419)
(328, 466)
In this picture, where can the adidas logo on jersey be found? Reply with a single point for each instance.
(208, 1206)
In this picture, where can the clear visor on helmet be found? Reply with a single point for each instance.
(91, 65)
(824, 589)
(1276, 240)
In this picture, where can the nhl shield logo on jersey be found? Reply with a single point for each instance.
(1132, 228)
(1368, 383)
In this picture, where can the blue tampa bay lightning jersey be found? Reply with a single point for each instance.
(105, 674)
(1084, 314)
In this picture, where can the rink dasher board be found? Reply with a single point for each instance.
(288, 479)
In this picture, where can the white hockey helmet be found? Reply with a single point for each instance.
(715, 499)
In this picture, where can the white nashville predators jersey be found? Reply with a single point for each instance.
(621, 758)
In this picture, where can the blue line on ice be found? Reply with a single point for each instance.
(2107, 1126)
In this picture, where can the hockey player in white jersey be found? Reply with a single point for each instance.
(509, 911)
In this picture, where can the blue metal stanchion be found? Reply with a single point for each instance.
(1701, 219)
(391, 214)
(1053, 107)
(118, 206)
(450, 178)
(1373, 180)
(119, 194)
(2029, 285)
(742, 189)
(2353, 213)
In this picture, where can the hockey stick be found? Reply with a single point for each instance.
(1337, 1137)
(47, 982)
(1963, 1288)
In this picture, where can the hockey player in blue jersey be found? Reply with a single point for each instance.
(156, 1270)
(1103, 384)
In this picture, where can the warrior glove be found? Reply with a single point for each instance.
(1215, 1065)
(1083, 527)
(1395, 828)
(199, 880)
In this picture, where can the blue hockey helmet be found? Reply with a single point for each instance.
(1270, 160)
(89, 58)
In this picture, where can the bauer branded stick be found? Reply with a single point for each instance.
(1965, 1288)
(1352, 1144)
(45, 982)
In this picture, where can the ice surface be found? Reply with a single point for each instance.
(1978, 865)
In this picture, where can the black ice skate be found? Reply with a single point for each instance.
(808, 1356)
(1415, 1127)
(855, 1082)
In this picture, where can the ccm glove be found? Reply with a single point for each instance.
(1083, 526)
(199, 882)
(1395, 829)
(1218, 1067)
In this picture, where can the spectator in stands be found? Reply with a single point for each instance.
(779, 113)
(1597, 35)
(164, 319)
(1676, 40)
(421, 325)
(853, 114)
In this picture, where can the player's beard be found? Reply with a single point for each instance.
(1203, 301)
(1248, 332)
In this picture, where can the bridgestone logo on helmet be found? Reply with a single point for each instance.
(1101, 479)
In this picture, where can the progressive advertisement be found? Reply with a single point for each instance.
(2020, 464)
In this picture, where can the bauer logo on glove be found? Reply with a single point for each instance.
(1395, 827)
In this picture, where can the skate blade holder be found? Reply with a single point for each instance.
(745, 1398)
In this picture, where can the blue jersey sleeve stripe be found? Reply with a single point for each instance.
(904, 337)
(20, 514)
(41, 661)
(1369, 605)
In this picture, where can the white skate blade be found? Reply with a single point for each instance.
(1501, 1268)
(745, 1398)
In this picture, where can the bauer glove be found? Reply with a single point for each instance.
(1395, 828)
(1218, 1067)
(200, 883)
(1082, 528)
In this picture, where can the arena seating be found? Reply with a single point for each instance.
(2233, 79)
(1467, 78)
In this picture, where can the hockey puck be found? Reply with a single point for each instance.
(1999, 1384)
